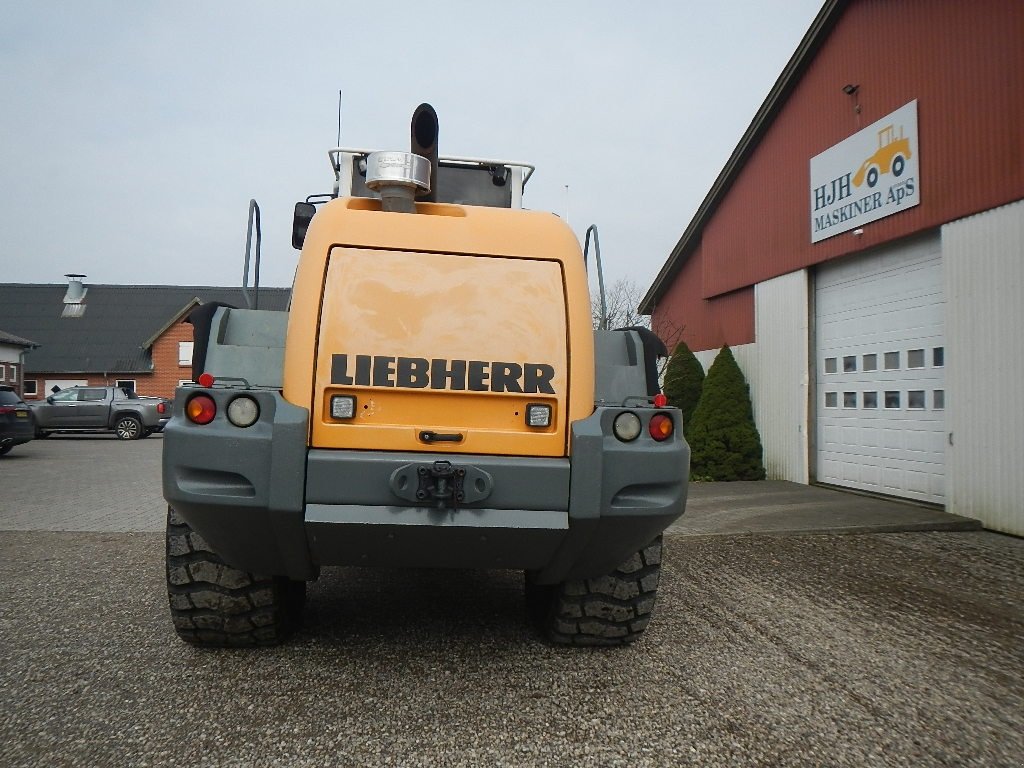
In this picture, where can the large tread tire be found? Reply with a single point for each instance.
(606, 611)
(215, 605)
(5, 449)
(128, 428)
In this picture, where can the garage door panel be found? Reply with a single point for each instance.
(881, 423)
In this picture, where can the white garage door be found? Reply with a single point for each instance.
(62, 384)
(880, 356)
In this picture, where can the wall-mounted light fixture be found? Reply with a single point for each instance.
(850, 89)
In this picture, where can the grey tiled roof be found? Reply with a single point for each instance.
(117, 322)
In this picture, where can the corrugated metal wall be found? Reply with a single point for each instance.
(780, 386)
(776, 368)
(983, 264)
(963, 62)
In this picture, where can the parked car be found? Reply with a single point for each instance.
(101, 409)
(17, 424)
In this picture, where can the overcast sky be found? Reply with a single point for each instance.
(133, 134)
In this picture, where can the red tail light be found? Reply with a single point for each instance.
(161, 407)
(661, 427)
(201, 409)
(6, 410)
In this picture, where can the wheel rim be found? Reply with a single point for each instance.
(127, 429)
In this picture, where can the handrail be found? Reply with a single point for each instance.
(600, 271)
(252, 303)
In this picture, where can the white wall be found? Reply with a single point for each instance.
(983, 263)
(10, 354)
(776, 368)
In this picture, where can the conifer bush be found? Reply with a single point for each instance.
(723, 438)
(684, 380)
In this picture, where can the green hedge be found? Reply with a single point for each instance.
(684, 380)
(723, 438)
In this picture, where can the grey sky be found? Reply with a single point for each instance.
(132, 135)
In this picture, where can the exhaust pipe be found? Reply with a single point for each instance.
(424, 143)
(402, 178)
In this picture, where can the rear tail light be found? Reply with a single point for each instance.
(161, 407)
(201, 409)
(661, 427)
(627, 426)
(6, 410)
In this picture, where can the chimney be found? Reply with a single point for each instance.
(74, 299)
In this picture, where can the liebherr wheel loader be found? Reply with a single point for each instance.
(435, 397)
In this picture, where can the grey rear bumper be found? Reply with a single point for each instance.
(269, 505)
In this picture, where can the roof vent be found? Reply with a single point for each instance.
(397, 177)
(74, 299)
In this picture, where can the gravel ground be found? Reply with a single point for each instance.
(886, 649)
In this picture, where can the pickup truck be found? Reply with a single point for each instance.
(101, 409)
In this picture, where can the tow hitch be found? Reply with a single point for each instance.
(441, 484)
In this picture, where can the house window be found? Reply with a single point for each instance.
(128, 385)
(185, 352)
(3, 372)
(29, 388)
(184, 382)
(14, 373)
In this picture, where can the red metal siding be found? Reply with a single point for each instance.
(684, 315)
(963, 62)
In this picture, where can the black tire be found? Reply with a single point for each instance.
(41, 435)
(215, 605)
(145, 433)
(609, 610)
(5, 449)
(128, 428)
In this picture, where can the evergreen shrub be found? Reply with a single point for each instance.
(684, 380)
(723, 438)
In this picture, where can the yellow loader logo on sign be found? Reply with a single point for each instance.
(890, 157)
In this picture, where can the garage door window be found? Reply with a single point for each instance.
(870, 362)
(830, 365)
(892, 361)
(915, 399)
(849, 399)
(938, 356)
(870, 399)
(939, 399)
(849, 363)
(831, 399)
(892, 399)
(915, 358)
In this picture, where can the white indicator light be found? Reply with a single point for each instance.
(538, 415)
(343, 407)
(626, 426)
(243, 411)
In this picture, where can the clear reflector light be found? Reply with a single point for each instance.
(538, 415)
(343, 407)
(627, 426)
(243, 411)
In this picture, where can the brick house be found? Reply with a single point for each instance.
(12, 358)
(130, 335)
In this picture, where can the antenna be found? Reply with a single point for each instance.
(339, 120)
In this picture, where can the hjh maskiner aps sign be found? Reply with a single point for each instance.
(871, 175)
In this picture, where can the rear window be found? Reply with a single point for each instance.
(7, 397)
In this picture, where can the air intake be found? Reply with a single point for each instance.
(397, 177)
